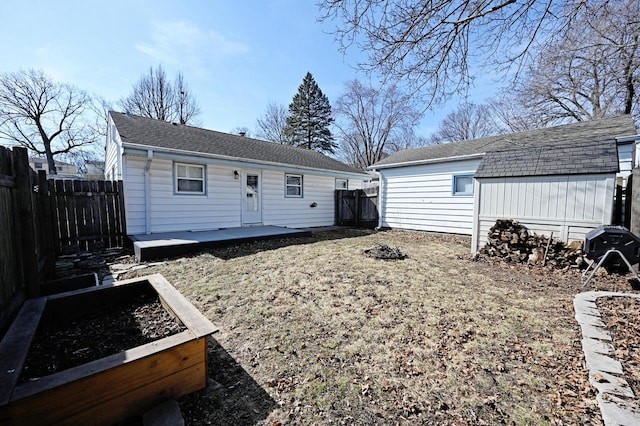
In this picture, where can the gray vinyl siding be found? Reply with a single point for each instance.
(568, 206)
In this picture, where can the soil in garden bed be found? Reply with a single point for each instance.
(60, 345)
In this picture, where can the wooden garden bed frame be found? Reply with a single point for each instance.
(111, 388)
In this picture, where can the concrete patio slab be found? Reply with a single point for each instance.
(171, 244)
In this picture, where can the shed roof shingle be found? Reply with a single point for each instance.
(587, 131)
(583, 158)
(161, 134)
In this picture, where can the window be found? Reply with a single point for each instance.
(342, 184)
(189, 178)
(38, 165)
(293, 186)
(462, 185)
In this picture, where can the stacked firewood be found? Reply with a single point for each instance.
(511, 241)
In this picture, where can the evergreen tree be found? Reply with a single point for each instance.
(309, 118)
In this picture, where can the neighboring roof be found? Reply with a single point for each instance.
(582, 158)
(585, 131)
(159, 134)
(44, 161)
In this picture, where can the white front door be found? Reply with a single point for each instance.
(252, 198)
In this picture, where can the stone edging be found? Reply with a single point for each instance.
(615, 397)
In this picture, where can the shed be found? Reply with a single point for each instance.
(183, 178)
(434, 188)
(566, 190)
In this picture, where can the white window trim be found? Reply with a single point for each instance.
(453, 184)
(286, 185)
(342, 180)
(176, 191)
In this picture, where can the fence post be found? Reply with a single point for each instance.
(635, 202)
(617, 205)
(357, 208)
(627, 201)
(48, 225)
(29, 243)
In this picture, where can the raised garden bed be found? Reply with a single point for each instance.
(111, 388)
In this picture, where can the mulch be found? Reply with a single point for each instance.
(60, 345)
(620, 314)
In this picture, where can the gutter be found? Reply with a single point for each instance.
(147, 192)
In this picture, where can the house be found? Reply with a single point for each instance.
(559, 179)
(94, 170)
(63, 170)
(183, 178)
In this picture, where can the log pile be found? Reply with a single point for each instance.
(513, 242)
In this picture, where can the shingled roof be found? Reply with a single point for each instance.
(582, 158)
(587, 131)
(150, 133)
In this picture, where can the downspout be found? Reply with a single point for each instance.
(147, 192)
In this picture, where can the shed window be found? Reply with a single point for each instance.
(342, 184)
(189, 178)
(293, 186)
(462, 185)
(38, 165)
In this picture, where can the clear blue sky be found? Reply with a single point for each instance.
(236, 56)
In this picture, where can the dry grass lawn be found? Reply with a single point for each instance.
(314, 332)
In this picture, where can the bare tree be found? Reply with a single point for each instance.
(509, 114)
(46, 117)
(591, 70)
(370, 120)
(156, 97)
(468, 121)
(272, 124)
(432, 45)
(187, 107)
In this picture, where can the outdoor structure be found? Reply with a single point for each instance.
(559, 179)
(182, 178)
(94, 170)
(63, 170)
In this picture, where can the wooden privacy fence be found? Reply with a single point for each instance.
(41, 219)
(87, 215)
(357, 208)
(26, 250)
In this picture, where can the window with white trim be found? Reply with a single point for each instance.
(189, 178)
(342, 184)
(293, 186)
(462, 185)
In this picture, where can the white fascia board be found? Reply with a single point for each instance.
(199, 157)
(627, 139)
(429, 161)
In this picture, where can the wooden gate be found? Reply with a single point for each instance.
(357, 208)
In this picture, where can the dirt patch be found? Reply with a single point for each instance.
(385, 252)
(312, 332)
(59, 345)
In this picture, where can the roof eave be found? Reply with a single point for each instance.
(428, 161)
(625, 140)
(132, 145)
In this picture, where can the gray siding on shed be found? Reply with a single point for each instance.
(570, 206)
